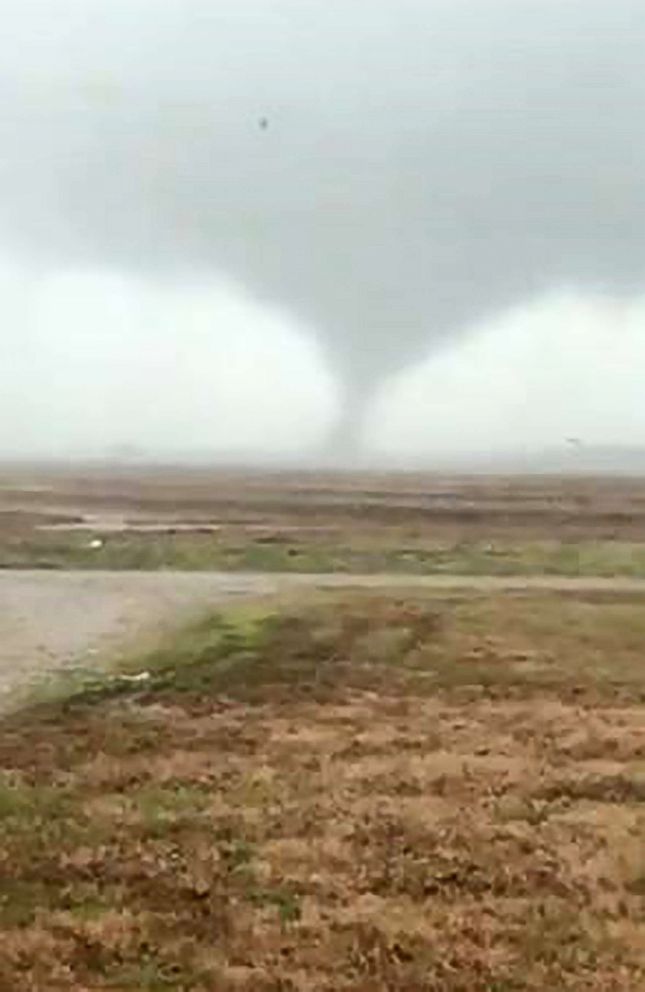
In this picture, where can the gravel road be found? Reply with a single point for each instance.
(50, 620)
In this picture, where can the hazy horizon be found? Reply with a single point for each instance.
(561, 369)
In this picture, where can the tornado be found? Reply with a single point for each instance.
(391, 173)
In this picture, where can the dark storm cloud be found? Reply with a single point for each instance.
(389, 170)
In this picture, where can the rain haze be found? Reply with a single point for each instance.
(270, 228)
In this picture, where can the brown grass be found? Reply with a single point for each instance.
(374, 794)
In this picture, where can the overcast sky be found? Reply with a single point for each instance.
(217, 218)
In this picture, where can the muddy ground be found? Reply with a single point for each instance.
(312, 522)
(427, 505)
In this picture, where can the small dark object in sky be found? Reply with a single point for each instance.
(264, 123)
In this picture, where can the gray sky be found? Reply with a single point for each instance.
(434, 174)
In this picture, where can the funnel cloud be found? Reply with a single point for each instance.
(390, 172)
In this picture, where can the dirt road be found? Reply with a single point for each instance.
(50, 620)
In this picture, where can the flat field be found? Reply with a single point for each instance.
(368, 793)
(321, 733)
(413, 524)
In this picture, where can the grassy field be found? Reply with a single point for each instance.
(360, 555)
(376, 794)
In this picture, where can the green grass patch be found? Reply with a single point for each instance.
(202, 552)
